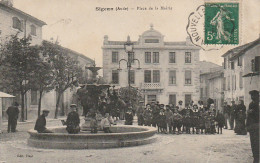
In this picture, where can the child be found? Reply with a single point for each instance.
(177, 122)
(187, 122)
(220, 121)
(207, 124)
(93, 123)
(195, 123)
(105, 123)
(169, 116)
(162, 122)
(212, 123)
(201, 122)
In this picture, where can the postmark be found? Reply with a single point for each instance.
(221, 23)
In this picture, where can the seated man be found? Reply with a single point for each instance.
(40, 124)
(73, 120)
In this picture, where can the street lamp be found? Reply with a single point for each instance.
(129, 46)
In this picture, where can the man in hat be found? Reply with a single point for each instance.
(40, 125)
(253, 124)
(73, 120)
(12, 113)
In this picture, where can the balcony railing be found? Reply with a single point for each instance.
(151, 86)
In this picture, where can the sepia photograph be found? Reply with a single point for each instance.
(134, 81)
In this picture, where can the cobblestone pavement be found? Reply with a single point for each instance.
(227, 147)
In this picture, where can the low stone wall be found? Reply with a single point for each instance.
(122, 136)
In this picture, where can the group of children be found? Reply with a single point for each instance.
(176, 120)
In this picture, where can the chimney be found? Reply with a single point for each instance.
(105, 42)
(7, 2)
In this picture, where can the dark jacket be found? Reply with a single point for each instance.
(253, 116)
(40, 124)
(12, 112)
(73, 119)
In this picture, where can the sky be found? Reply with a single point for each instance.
(78, 26)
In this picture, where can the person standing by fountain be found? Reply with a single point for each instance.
(40, 125)
(73, 120)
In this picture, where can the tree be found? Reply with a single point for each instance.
(134, 94)
(43, 80)
(66, 69)
(18, 66)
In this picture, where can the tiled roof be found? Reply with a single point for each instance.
(38, 21)
(236, 52)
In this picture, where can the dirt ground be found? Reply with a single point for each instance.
(184, 148)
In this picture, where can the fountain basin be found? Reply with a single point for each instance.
(121, 136)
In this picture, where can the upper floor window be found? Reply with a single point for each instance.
(114, 57)
(115, 77)
(172, 57)
(148, 57)
(17, 23)
(225, 63)
(187, 57)
(156, 57)
(239, 61)
(172, 77)
(147, 76)
(33, 30)
(232, 65)
(188, 77)
(132, 76)
(156, 76)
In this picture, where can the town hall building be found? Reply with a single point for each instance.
(169, 70)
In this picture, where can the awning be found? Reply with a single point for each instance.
(251, 74)
(5, 95)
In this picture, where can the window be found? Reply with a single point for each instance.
(132, 57)
(172, 77)
(156, 76)
(241, 80)
(34, 97)
(224, 83)
(187, 99)
(228, 83)
(151, 98)
(155, 57)
(115, 77)
(235, 82)
(148, 57)
(172, 99)
(201, 93)
(132, 76)
(147, 76)
(17, 23)
(225, 63)
(188, 77)
(172, 57)
(114, 57)
(33, 30)
(239, 61)
(187, 57)
(232, 65)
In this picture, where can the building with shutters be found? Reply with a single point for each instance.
(169, 70)
(241, 72)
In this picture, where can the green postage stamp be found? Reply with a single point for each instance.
(221, 23)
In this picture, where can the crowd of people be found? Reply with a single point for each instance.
(192, 119)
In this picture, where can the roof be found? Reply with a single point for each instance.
(17, 11)
(240, 50)
(207, 67)
(5, 95)
(70, 51)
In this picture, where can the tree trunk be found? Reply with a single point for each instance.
(22, 107)
(40, 104)
(57, 105)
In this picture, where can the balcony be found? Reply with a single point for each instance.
(152, 86)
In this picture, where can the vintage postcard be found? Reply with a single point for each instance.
(129, 81)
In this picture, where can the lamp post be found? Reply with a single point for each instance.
(129, 46)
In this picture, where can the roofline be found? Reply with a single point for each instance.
(253, 44)
(72, 51)
(38, 21)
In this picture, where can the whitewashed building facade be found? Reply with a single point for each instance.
(169, 70)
